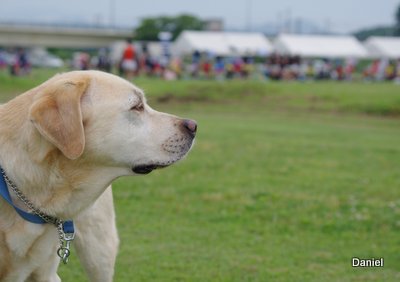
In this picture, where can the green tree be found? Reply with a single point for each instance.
(149, 28)
(375, 31)
(397, 27)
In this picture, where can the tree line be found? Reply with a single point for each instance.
(150, 27)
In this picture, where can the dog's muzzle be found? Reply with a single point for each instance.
(176, 147)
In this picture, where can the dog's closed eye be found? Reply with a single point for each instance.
(138, 107)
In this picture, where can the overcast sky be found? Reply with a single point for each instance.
(342, 16)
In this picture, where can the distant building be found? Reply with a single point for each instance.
(319, 46)
(223, 43)
(214, 25)
(383, 47)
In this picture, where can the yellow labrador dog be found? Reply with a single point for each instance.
(61, 145)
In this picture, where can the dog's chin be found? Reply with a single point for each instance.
(146, 169)
(152, 165)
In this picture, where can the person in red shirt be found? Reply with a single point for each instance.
(129, 63)
(206, 67)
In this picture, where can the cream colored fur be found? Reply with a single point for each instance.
(62, 144)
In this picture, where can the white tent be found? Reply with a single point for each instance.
(223, 43)
(320, 46)
(383, 47)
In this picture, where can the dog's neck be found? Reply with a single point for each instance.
(47, 178)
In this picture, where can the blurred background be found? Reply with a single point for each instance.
(289, 40)
(295, 170)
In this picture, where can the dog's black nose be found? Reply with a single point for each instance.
(190, 126)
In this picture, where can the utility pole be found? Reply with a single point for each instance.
(112, 13)
(288, 23)
(248, 14)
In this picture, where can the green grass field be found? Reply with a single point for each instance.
(286, 182)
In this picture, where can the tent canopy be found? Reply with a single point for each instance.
(320, 46)
(383, 47)
(223, 43)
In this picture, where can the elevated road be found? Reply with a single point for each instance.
(12, 35)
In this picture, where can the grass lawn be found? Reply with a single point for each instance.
(286, 182)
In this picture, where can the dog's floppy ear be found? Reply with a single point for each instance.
(56, 113)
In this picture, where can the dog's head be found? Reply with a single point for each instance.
(104, 119)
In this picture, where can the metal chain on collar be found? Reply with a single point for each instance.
(65, 239)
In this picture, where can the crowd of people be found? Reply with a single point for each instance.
(138, 61)
(296, 68)
(383, 69)
(17, 62)
(203, 65)
(278, 67)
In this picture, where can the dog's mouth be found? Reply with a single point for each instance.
(152, 165)
(145, 169)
